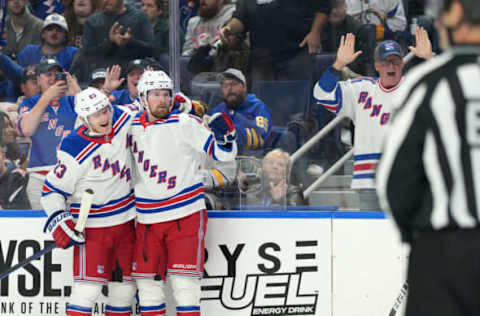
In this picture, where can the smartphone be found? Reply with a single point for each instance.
(60, 76)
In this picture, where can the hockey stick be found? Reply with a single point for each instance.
(399, 300)
(85, 205)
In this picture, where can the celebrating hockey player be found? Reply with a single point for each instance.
(368, 102)
(171, 219)
(95, 157)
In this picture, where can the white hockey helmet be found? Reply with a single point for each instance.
(153, 80)
(90, 101)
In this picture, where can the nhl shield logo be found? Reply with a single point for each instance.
(100, 269)
(134, 266)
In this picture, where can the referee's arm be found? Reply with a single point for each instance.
(400, 177)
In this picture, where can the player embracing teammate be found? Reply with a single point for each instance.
(168, 146)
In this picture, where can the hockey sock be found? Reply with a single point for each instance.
(188, 310)
(153, 310)
(117, 311)
(75, 310)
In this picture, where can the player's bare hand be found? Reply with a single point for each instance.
(112, 78)
(312, 40)
(346, 52)
(423, 46)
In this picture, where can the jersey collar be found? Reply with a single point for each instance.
(104, 139)
(388, 90)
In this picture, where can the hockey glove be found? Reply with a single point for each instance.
(182, 103)
(60, 224)
(222, 127)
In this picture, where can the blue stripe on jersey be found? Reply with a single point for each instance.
(110, 213)
(90, 153)
(392, 13)
(364, 176)
(328, 81)
(367, 156)
(53, 188)
(77, 205)
(186, 190)
(173, 206)
(207, 144)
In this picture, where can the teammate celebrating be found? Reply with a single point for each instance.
(171, 219)
(94, 156)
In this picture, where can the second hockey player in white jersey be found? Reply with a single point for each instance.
(167, 147)
(95, 156)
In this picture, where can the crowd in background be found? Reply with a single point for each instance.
(270, 54)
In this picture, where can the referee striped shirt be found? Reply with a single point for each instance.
(429, 174)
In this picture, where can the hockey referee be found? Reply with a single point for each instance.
(429, 175)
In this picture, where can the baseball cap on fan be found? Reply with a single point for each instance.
(46, 64)
(233, 73)
(55, 19)
(387, 48)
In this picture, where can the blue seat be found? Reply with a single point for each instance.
(284, 98)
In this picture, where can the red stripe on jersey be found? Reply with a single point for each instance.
(170, 201)
(364, 166)
(75, 210)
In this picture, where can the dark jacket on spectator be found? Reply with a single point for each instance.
(96, 41)
(13, 194)
(31, 34)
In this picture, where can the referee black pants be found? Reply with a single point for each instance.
(444, 274)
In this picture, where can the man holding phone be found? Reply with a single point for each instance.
(47, 118)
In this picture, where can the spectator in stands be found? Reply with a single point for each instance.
(76, 14)
(12, 185)
(212, 15)
(188, 9)
(368, 103)
(251, 117)
(42, 8)
(219, 57)
(128, 96)
(340, 23)
(275, 189)
(117, 35)
(22, 28)
(54, 38)
(387, 15)
(97, 78)
(46, 118)
(157, 12)
(282, 41)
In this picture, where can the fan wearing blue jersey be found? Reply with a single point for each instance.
(94, 156)
(46, 118)
(168, 146)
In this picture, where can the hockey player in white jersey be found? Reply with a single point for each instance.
(167, 148)
(95, 156)
(368, 102)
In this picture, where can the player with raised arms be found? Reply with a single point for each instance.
(95, 156)
(168, 146)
